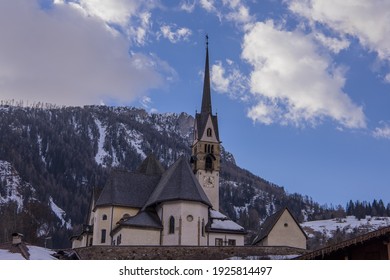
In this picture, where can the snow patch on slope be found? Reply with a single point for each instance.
(101, 153)
(60, 214)
(12, 185)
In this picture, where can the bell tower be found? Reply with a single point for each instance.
(206, 152)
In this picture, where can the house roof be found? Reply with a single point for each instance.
(344, 245)
(131, 189)
(151, 166)
(270, 222)
(178, 183)
(144, 219)
(220, 223)
(127, 189)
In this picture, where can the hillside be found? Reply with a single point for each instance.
(51, 158)
(332, 231)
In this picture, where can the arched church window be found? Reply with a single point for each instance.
(104, 217)
(212, 149)
(203, 227)
(209, 132)
(171, 225)
(209, 163)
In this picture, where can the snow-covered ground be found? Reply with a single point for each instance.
(348, 224)
(36, 253)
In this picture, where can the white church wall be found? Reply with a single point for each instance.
(189, 218)
(137, 237)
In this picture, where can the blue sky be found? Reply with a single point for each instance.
(301, 87)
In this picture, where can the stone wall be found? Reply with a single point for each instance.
(183, 253)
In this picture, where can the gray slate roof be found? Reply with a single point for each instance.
(151, 166)
(131, 189)
(144, 219)
(178, 183)
(127, 189)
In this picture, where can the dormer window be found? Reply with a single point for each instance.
(209, 132)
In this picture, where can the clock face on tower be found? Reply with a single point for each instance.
(208, 182)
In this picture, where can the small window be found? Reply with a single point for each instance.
(103, 237)
(218, 242)
(171, 225)
(119, 239)
(190, 218)
(203, 228)
(209, 132)
(285, 224)
(232, 242)
(104, 217)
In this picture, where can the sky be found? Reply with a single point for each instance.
(301, 87)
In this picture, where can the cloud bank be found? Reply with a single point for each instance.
(63, 56)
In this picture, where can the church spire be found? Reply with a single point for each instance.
(206, 99)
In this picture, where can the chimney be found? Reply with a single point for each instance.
(16, 238)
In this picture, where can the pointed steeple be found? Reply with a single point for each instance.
(206, 99)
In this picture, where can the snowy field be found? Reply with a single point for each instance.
(348, 224)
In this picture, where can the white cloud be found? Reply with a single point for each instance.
(369, 21)
(229, 80)
(131, 15)
(383, 131)
(335, 45)
(208, 5)
(231, 10)
(180, 34)
(61, 56)
(290, 74)
(387, 78)
(187, 6)
(239, 12)
(218, 78)
(263, 113)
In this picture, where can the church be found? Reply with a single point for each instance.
(178, 206)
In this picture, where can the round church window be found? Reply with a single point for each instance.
(190, 218)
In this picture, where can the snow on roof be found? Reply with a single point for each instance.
(220, 222)
(225, 224)
(36, 253)
(217, 215)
